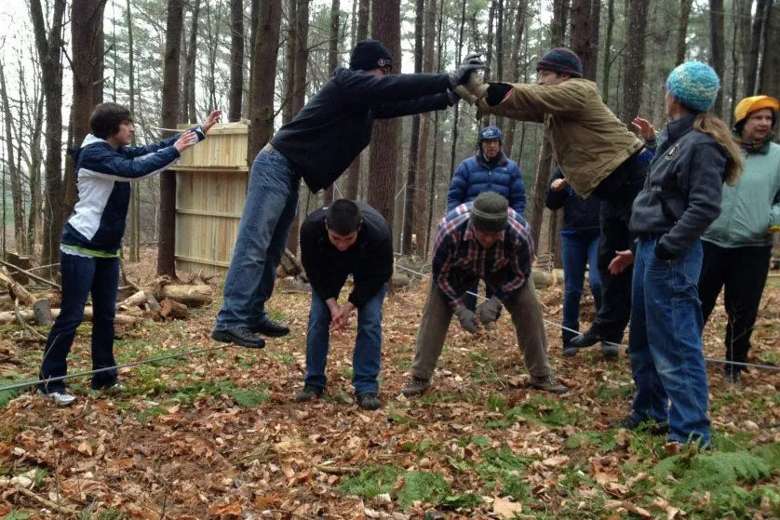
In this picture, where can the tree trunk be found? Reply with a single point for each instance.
(236, 59)
(166, 262)
(49, 52)
(412, 173)
(757, 31)
(87, 59)
(770, 68)
(13, 168)
(261, 89)
(353, 172)
(634, 59)
(514, 70)
(385, 27)
(135, 201)
(717, 48)
(458, 59)
(744, 8)
(333, 61)
(299, 89)
(608, 50)
(188, 109)
(682, 29)
(36, 159)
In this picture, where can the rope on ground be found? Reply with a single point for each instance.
(770, 368)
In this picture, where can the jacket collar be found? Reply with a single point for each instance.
(91, 139)
(500, 159)
(679, 127)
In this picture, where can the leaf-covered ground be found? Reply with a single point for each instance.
(217, 435)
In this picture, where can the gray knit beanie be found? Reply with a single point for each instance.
(489, 212)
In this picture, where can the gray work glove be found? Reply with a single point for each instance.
(488, 311)
(466, 75)
(468, 320)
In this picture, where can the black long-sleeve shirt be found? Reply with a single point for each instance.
(335, 125)
(369, 260)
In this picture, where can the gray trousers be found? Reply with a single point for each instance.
(526, 314)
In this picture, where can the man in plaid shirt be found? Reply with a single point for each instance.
(482, 240)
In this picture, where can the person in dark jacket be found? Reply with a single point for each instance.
(345, 239)
(579, 248)
(92, 238)
(317, 145)
(680, 199)
(487, 170)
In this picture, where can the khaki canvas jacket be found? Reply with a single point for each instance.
(588, 141)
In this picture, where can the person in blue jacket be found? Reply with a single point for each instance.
(579, 248)
(92, 238)
(489, 169)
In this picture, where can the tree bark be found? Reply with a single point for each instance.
(634, 59)
(36, 159)
(717, 48)
(333, 61)
(166, 261)
(49, 52)
(135, 201)
(744, 8)
(353, 172)
(608, 50)
(236, 59)
(459, 56)
(385, 27)
(188, 109)
(261, 89)
(682, 29)
(87, 59)
(514, 70)
(20, 235)
(770, 68)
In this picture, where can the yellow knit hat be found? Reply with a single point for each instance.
(751, 104)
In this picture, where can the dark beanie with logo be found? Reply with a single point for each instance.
(562, 61)
(370, 54)
(490, 211)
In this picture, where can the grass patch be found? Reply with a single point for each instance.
(422, 486)
(241, 396)
(503, 469)
(6, 396)
(371, 481)
(17, 515)
(538, 409)
(603, 442)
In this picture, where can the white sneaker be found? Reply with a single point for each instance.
(61, 398)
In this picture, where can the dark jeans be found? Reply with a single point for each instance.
(367, 356)
(80, 277)
(743, 271)
(665, 345)
(617, 193)
(271, 201)
(578, 249)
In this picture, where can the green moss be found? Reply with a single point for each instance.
(371, 481)
(422, 486)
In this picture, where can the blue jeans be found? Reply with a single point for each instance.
(367, 356)
(665, 344)
(80, 277)
(271, 202)
(579, 248)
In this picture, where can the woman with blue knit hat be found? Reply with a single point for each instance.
(680, 198)
(598, 156)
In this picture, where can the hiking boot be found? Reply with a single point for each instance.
(587, 339)
(63, 398)
(240, 336)
(568, 349)
(114, 388)
(416, 386)
(610, 350)
(309, 393)
(650, 426)
(368, 401)
(270, 328)
(548, 384)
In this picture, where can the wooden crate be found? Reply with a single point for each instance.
(211, 182)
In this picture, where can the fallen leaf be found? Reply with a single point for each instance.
(506, 508)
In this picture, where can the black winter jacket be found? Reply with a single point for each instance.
(578, 214)
(369, 260)
(335, 125)
(682, 192)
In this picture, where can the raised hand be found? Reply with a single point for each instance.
(645, 128)
(211, 120)
(185, 140)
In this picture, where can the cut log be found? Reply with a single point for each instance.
(134, 300)
(544, 279)
(172, 310)
(151, 302)
(17, 290)
(9, 316)
(189, 295)
(42, 312)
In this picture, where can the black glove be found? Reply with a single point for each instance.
(489, 310)
(470, 65)
(662, 253)
(452, 97)
(467, 318)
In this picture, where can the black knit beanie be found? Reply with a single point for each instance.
(489, 212)
(562, 61)
(370, 54)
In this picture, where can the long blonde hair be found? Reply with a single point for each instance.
(709, 124)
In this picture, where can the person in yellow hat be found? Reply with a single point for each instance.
(738, 244)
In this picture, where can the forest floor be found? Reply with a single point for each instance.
(217, 435)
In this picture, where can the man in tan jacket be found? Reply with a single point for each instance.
(598, 156)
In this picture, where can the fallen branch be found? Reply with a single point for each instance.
(17, 290)
(337, 470)
(28, 273)
(10, 316)
(190, 295)
(46, 502)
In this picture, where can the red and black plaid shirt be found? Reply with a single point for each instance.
(459, 260)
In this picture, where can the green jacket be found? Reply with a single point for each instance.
(588, 141)
(750, 207)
